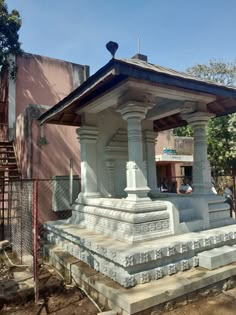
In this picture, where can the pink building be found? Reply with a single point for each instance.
(40, 83)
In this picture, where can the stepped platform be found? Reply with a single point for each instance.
(138, 263)
(149, 298)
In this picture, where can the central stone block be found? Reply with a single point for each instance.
(124, 220)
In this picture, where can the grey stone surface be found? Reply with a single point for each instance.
(217, 257)
(124, 220)
(139, 263)
(144, 297)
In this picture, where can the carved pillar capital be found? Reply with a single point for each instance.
(150, 136)
(198, 118)
(87, 134)
(133, 110)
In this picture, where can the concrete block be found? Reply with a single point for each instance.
(217, 257)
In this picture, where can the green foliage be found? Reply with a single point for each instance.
(10, 23)
(221, 132)
(216, 70)
(185, 131)
(219, 144)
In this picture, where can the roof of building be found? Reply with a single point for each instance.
(117, 71)
(165, 70)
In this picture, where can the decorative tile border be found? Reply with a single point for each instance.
(118, 265)
(128, 259)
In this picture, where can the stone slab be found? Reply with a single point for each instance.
(148, 295)
(141, 263)
(217, 257)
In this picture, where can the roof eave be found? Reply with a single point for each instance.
(118, 67)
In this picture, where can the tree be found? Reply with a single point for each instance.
(218, 71)
(221, 131)
(10, 24)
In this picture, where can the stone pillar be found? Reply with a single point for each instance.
(136, 173)
(88, 136)
(201, 167)
(150, 141)
(111, 174)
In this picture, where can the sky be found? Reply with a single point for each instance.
(173, 33)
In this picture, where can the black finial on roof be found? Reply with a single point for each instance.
(112, 48)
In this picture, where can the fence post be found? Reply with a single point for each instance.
(71, 182)
(35, 239)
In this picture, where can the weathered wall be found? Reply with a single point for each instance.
(21, 145)
(165, 139)
(45, 81)
(183, 145)
(53, 158)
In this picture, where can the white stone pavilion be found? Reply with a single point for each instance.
(121, 225)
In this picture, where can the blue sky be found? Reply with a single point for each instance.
(173, 33)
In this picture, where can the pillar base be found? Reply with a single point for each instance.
(129, 221)
(88, 195)
(140, 194)
(136, 181)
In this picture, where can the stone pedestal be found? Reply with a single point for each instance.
(124, 220)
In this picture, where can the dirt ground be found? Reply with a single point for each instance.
(222, 304)
(68, 300)
(72, 302)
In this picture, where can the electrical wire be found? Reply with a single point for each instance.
(86, 293)
(76, 284)
(11, 263)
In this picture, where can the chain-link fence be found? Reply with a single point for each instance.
(20, 214)
(31, 203)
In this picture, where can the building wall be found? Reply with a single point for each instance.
(42, 82)
(53, 158)
(21, 145)
(165, 139)
(45, 81)
(183, 145)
